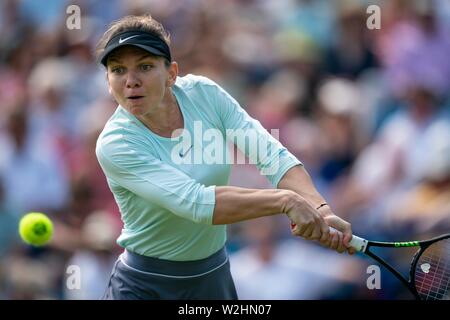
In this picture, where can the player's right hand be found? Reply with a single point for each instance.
(306, 221)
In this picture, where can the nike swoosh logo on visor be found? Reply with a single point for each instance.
(128, 38)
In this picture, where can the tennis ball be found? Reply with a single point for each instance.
(35, 228)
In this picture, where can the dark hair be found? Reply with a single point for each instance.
(144, 23)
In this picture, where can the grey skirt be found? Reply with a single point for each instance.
(138, 277)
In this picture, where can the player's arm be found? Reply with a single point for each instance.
(234, 204)
(298, 180)
(272, 163)
(159, 183)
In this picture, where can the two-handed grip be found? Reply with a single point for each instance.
(358, 243)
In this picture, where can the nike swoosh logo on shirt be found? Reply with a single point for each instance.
(123, 40)
(183, 154)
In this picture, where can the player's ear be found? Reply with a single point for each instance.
(172, 74)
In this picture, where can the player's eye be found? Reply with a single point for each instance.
(118, 70)
(146, 67)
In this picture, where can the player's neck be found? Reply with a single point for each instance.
(167, 118)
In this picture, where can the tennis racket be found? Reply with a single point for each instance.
(429, 275)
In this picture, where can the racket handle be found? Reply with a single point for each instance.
(359, 244)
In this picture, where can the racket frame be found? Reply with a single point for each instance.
(363, 245)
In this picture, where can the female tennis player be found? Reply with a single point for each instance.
(174, 200)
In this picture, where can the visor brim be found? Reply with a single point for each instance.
(108, 51)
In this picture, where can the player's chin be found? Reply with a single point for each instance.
(136, 109)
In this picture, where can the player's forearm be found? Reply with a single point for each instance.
(234, 204)
(298, 180)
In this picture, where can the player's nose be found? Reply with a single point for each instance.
(132, 80)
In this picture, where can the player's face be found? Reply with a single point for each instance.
(139, 81)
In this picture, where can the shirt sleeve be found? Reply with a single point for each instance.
(270, 157)
(128, 165)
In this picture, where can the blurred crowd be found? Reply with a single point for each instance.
(366, 111)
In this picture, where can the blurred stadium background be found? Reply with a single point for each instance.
(367, 111)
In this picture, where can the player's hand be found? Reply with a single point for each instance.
(340, 234)
(306, 221)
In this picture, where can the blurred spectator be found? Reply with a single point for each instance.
(50, 113)
(30, 279)
(45, 19)
(277, 99)
(95, 258)
(340, 103)
(415, 51)
(9, 223)
(33, 175)
(390, 163)
(351, 52)
(425, 206)
(82, 162)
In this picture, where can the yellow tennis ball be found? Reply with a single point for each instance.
(35, 228)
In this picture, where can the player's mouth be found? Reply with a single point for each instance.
(135, 98)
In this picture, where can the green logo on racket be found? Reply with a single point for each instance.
(406, 244)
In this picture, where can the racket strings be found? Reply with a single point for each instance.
(432, 272)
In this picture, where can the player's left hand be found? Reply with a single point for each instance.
(339, 238)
